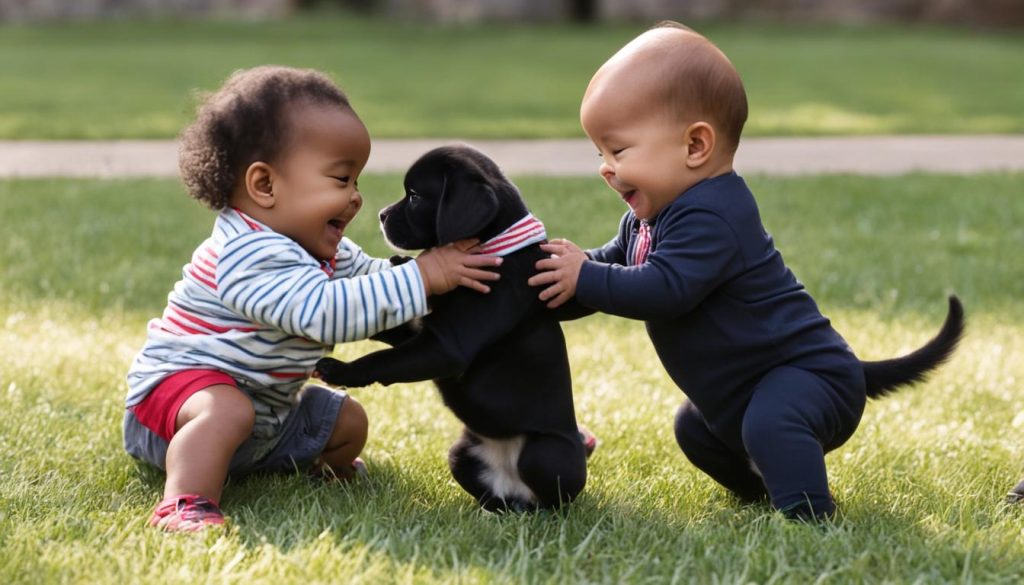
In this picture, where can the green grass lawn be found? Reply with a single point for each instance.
(136, 79)
(84, 264)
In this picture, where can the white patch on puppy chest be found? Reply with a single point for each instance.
(500, 457)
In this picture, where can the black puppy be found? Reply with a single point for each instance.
(499, 359)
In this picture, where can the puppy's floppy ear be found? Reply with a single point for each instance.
(467, 206)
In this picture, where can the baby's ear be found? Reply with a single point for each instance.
(700, 143)
(259, 184)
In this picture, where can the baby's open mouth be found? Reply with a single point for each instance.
(337, 225)
(628, 195)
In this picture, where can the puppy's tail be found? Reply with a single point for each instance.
(886, 376)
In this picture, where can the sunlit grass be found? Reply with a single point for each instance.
(83, 265)
(137, 79)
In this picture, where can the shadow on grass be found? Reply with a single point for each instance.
(426, 525)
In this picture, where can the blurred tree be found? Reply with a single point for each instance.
(360, 6)
(583, 10)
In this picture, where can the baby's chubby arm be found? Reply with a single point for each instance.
(560, 272)
(266, 278)
(697, 251)
(442, 269)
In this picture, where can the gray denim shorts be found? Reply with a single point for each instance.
(302, 440)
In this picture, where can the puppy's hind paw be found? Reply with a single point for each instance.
(330, 370)
(1016, 495)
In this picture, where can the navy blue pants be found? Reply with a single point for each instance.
(793, 419)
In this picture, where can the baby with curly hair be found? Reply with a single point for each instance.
(220, 386)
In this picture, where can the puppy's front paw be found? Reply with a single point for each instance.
(332, 371)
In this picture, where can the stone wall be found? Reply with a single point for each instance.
(46, 10)
(969, 12)
(469, 11)
(974, 12)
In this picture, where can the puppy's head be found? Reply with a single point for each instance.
(451, 193)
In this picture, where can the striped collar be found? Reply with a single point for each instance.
(523, 233)
(249, 221)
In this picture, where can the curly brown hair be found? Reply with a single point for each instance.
(244, 122)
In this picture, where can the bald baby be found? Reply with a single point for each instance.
(771, 386)
(673, 68)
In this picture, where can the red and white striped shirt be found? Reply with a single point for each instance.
(255, 305)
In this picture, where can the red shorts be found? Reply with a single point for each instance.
(158, 412)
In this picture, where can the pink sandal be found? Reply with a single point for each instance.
(186, 513)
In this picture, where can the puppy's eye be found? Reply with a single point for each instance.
(413, 195)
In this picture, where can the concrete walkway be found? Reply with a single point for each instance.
(888, 155)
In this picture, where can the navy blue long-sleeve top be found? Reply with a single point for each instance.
(720, 305)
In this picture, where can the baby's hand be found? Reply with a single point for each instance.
(561, 272)
(449, 266)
